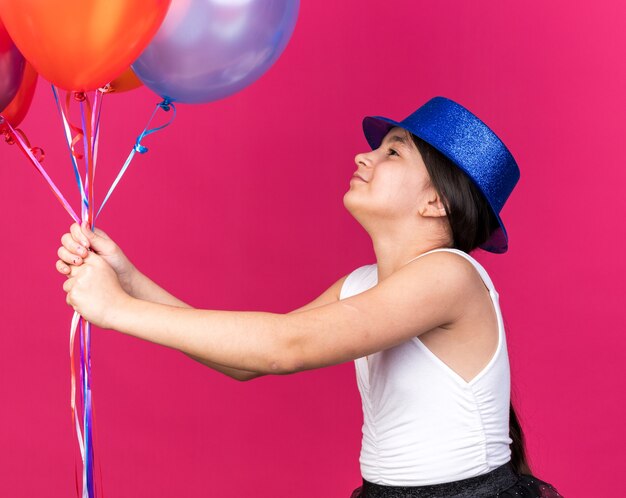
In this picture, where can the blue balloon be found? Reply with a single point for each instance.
(206, 50)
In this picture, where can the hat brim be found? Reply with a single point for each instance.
(376, 127)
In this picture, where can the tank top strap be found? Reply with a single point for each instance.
(481, 270)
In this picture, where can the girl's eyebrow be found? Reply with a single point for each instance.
(397, 139)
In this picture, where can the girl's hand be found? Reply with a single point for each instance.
(94, 291)
(77, 244)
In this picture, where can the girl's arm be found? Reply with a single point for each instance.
(138, 285)
(142, 287)
(433, 291)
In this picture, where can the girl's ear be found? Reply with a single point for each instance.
(434, 207)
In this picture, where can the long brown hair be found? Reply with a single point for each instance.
(471, 222)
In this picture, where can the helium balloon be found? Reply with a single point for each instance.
(81, 45)
(16, 111)
(11, 68)
(209, 49)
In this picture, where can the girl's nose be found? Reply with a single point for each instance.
(362, 159)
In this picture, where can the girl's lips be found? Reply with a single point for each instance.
(358, 178)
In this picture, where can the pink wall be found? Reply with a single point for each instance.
(238, 206)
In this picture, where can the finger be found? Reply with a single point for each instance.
(68, 284)
(78, 235)
(75, 270)
(101, 233)
(73, 246)
(62, 267)
(67, 299)
(68, 257)
(98, 240)
(95, 257)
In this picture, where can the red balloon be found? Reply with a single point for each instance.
(16, 111)
(81, 45)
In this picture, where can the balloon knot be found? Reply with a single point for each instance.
(140, 148)
(108, 88)
(166, 105)
(8, 137)
(80, 96)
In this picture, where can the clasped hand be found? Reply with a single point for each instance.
(89, 261)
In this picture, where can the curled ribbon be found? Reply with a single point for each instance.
(35, 155)
(71, 141)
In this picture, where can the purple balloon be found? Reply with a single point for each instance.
(206, 50)
(11, 68)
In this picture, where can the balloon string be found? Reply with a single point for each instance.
(75, 321)
(79, 131)
(38, 152)
(83, 382)
(76, 475)
(86, 363)
(86, 113)
(76, 129)
(90, 411)
(165, 105)
(95, 432)
(69, 140)
(84, 436)
(96, 126)
(86, 147)
(13, 136)
(81, 444)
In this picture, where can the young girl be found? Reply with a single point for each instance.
(423, 324)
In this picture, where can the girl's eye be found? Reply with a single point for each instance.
(392, 150)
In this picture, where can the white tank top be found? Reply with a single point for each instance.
(422, 422)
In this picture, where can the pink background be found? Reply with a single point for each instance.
(238, 206)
